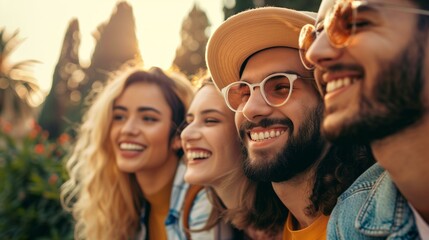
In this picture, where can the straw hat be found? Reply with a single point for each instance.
(248, 32)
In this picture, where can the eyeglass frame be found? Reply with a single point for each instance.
(355, 5)
(292, 77)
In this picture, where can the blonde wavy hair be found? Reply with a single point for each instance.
(104, 201)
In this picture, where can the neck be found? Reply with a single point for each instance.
(295, 194)
(404, 155)
(230, 190)
(151, 181)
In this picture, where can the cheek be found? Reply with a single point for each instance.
(426, 75)
(238, 119)
(233, 156)
(113, 133)
(302, 111)
(230, 146)
(321, 86)
(384, 46)
(159, 135)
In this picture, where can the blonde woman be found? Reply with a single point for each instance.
(126, 174)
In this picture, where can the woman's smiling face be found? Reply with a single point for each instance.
(140, 128)
(210, 139)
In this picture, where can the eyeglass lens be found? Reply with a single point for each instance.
(338, 25)
(275, 90)
(306, 38)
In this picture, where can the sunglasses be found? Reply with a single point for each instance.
(276, 90)
(341, 22)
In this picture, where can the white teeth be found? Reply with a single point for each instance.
(339, 83)
(265, 135)
(197, 155)
(131, 146)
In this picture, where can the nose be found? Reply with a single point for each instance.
(131, 127)
(256, 107)
(190, 132)
(321, 53)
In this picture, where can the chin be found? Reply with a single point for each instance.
(260, 160)
(125, 166)
(126, 169)
(194, 179)
(190, 178)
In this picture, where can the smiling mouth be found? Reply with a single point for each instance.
(198, 155)
(131, 147)
(340, 83)
(264, 135)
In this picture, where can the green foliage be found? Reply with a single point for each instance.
(31, 173)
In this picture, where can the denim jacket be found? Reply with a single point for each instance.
(372, 208)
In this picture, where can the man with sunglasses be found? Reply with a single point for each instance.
(254, 61)
(371, 61)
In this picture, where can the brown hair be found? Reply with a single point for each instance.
(337, 170)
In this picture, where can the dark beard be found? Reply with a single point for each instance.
(393, 104)
(299, 153)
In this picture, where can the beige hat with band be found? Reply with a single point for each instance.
(248, 32)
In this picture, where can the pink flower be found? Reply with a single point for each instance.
(53, 179)
(39, 148)
(64, 138)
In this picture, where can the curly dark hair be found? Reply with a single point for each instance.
(261, 210)
(338, 169)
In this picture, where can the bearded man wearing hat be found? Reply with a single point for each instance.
(254, 61)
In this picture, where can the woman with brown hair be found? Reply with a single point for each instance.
(214, 159)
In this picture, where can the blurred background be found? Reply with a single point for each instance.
(57, 54)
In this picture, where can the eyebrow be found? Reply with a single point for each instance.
(140, 109)
(370, 7)
(207, 111)
(271, 73)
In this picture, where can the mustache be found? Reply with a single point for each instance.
(264, 123)
(342, 67)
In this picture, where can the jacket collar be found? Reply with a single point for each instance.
(385, 211)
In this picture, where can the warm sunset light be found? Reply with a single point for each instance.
(42, 25)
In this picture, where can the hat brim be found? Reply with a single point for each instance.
(248, 32)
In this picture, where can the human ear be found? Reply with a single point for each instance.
(176, 143)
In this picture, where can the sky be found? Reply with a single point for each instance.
(42, 25)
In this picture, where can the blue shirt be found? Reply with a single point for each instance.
(198, 216)
(372, 208)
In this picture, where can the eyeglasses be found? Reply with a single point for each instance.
(341, 22)
(276, 90)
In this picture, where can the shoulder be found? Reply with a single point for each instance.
(364, 183)
(371, 207)
(200, 209)
(341, 223)
(199, 214)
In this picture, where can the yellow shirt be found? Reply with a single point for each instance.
(159, 206)
(316, 231)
